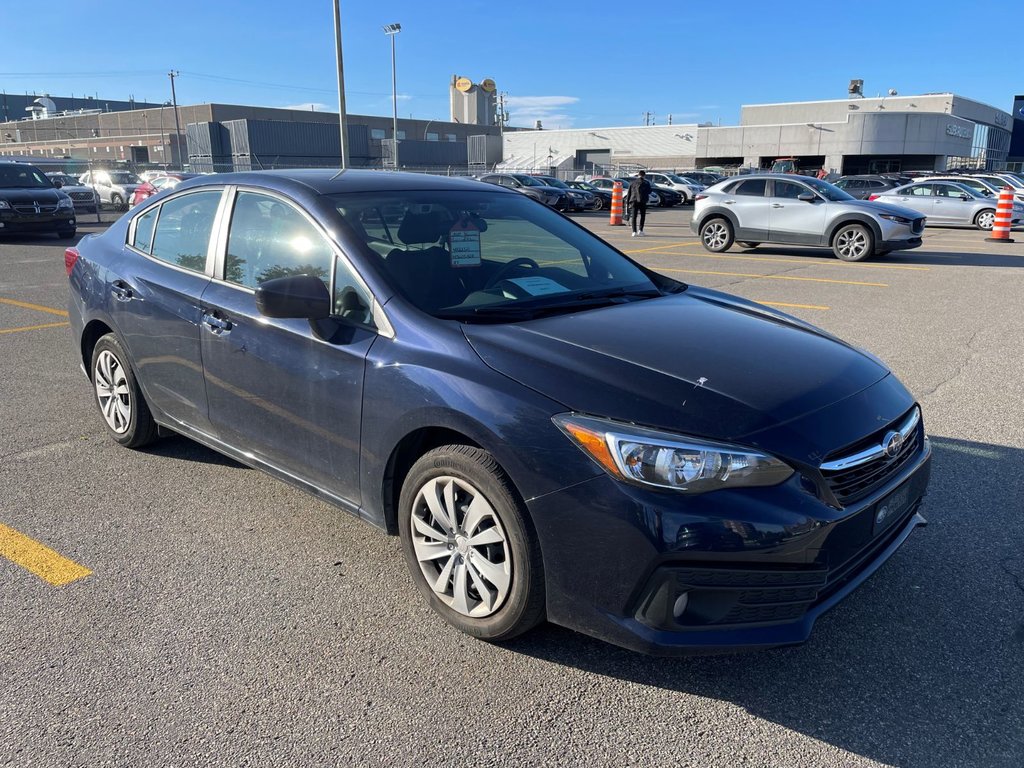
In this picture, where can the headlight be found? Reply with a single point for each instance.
(664, 460)
(65, 202)
(897, 219)
(4, 205)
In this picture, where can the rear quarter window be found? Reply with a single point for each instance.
(142, 237)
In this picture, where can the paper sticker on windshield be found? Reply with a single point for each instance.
(538, 286)
(464, 239)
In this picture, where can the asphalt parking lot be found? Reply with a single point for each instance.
(219, 617)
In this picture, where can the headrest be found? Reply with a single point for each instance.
(419, 228)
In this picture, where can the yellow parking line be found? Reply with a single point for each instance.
(37, 307)
(774, 277)
(34, 327)
(808, 262)
(39, 559)
(794, 306)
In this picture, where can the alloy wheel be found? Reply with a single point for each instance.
(113, 392)
(461, 546)
(852, 244)
(715, 236)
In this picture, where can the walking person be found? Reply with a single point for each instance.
(639, 193)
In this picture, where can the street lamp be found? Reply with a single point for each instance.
(392, 30)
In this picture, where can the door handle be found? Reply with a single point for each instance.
(217, 325)
(122, 291)
(778, 205)
(728, 202)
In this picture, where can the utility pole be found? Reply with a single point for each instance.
(342, 117)
(648, 117)
(177, 125)
(502, 114)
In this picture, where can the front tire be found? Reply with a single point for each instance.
(716, 235)
(469, 544)
(125, 412)
(853, 242)
(985, 219)
(117, 202)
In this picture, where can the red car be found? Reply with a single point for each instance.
(160, 183)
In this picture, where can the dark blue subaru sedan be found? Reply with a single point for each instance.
(554, 431)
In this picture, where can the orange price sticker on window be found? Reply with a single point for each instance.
(464, 239)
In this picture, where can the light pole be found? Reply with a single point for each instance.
(392, 30)
(426, 128)
(342, 118)
(177, 126)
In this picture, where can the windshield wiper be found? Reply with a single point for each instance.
(527, 311)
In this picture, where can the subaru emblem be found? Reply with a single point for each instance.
(892, 444)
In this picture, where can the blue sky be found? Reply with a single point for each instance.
(569, 64)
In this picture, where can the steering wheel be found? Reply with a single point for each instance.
(497, 277)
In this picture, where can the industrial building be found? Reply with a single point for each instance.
(846, 136)
(225, 137)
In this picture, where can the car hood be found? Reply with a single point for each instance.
(701, 362)
(36, 194)
(877, 206)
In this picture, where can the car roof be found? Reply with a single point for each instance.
(330, 181)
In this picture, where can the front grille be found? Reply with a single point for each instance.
(81, 195)
(854, 483)
(29, 209)
(917, 227)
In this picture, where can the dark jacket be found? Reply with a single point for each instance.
(639, 191)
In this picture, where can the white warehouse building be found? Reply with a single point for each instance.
(846, 136)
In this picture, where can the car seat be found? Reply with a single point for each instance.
(425, 275)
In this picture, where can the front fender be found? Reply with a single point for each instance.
(853, 218)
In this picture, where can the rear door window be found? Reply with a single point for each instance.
(182, 235)
(751, 188)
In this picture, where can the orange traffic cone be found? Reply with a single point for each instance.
(615, 220)
(1004, 213)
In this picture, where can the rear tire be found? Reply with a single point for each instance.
(985, 219)
(853, 242)
(470, 545)
(125, 412)
(716, 235)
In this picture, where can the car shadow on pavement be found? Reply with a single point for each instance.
(921, 667)
(918, 257)
(184, 449)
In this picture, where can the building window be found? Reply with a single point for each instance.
(449, 137)
(432, 137)
(376, 133)
(401, 135)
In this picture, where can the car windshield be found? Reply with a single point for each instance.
(529, 181)
(67, 181)
(1014, 181)
(826, 190)
(124, 177)
(554, 183)
(679, 179)
(479, 256)
(584, 185)
(22, 177)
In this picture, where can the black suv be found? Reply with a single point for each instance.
(861, 187)
(30, 203)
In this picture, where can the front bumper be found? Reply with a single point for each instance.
(758, 566)
(14, 223)
(900, 244)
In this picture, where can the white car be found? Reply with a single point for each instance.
(114, 188)
(1000, 180)
(688, 188)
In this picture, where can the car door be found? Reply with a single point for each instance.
(278, 390)
(748, 202)
(917, 197)
(156, 288)
(793, 220)
(949, 206)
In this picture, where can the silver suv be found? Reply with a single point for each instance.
(113, 187)
(799, 210)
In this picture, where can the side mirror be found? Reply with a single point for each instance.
(807, 197)
(301, 296)
(58, 183)
(965, 197)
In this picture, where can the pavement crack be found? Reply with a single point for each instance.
(973, 353)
